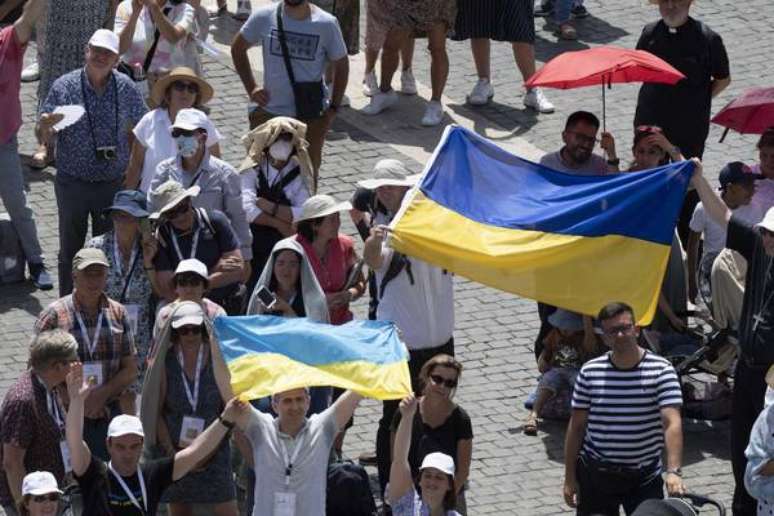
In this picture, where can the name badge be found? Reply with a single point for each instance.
(133, 315)
(68, 465)
(92, 373)
(284, 504)
(190, 430)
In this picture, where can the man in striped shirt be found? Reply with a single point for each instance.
(626, 405)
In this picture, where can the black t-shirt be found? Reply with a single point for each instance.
(426, 439)
(682, 110)
(756, 328)
(104, 496)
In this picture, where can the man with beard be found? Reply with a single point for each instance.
(577, 157)
(299, 40)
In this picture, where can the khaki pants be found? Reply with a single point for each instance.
(727, 279)
(315, 135)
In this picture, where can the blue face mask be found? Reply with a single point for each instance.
(187, 145)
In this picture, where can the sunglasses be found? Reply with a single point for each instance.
(189, 280)
(50, 497)
(182, 132)
(440, 380)
(189, 330)
(183, 86)
(180, 209)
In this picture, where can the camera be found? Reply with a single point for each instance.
(107, 153)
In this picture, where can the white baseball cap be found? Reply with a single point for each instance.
(190, 119)
(187, 313)
(106, 39)
(439, 461)
(192, 265)
(39, 483)
(768, 220)
(125, 425)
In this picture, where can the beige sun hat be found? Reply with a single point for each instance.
(321, 205)
(181, 73)
(389, 172)
(169, 195)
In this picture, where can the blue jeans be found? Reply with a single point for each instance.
(15, 200)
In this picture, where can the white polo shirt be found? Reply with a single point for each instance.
(424, 311)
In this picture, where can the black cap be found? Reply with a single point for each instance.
(736, 172)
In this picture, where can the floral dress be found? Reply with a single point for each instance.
(136, 298)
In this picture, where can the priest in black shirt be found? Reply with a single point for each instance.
(756, 327)
(683, 110)
(123, 486)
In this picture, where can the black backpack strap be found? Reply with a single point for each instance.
(204, 218)
(152, 50)
(290, 177)
(398, 262)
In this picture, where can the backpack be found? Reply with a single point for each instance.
(349, 491)
(12, 259)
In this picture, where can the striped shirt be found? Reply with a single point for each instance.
(624, 409)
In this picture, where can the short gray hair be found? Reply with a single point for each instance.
(52, 346)
(275, 398)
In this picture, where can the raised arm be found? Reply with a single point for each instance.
(713, 204)
(80, 455)
(372, 251)
(344, 407)
(26, 22)
(207, 442)
(400, 471)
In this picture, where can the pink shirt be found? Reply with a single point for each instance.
(11, 61)
(332, 274)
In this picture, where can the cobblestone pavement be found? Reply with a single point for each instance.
(511, 473)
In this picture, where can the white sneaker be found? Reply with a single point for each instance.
(482, 93)
(536, 100)
(380, 102)
(31, 73)
(370, 84)
(408, 85)
(433, 114)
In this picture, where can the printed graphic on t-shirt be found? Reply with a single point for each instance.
(119, 502)
(300, 46)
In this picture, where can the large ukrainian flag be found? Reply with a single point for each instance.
(573, 241)
(267, 354)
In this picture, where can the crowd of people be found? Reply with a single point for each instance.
(127, 394)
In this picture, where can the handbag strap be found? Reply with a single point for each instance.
(152, 50)
(284, 45)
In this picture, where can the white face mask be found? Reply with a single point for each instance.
(281, 150)
(187, 145)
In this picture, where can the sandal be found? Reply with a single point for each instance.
(567, 32)
(530, 426)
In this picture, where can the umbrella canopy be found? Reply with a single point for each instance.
(603, 65)
(752, 112)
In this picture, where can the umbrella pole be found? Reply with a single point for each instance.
(604, 128)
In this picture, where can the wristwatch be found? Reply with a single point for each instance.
(675, 471)
(227, 424)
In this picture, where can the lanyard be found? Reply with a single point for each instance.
(55, 410)
(90, 344)
(289, 462)
(129, 491)
(118, 264)
(88, 113)
(193, 397)
(194, 243)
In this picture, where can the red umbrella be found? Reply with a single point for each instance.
(603, 65)
(752, 112)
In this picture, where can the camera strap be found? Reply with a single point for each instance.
(88, 111)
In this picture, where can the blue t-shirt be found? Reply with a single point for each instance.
(312, 43)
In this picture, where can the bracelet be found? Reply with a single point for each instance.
(228, 424)
(675, 471)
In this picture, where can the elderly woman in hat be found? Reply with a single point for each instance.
(153, 143)
(185, 391)
(40, 495)
(130, 249)
(759, 474)
(276, 179)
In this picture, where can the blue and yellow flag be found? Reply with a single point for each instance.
(267, 354)
(578, 242)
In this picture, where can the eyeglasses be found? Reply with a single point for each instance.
(440, 380)
(583, 138)
(621, 329)
(183, 86)
(189, 330)
(178, 210)
(50, 497)
(189, 280)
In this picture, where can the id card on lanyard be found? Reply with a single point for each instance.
(92, 369)
(192, 426)
(129, 492)
(57, 414)
(285, 502)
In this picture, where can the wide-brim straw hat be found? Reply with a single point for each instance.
(181, 73)
(169, 195)
(321, 205)
(390, 172)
